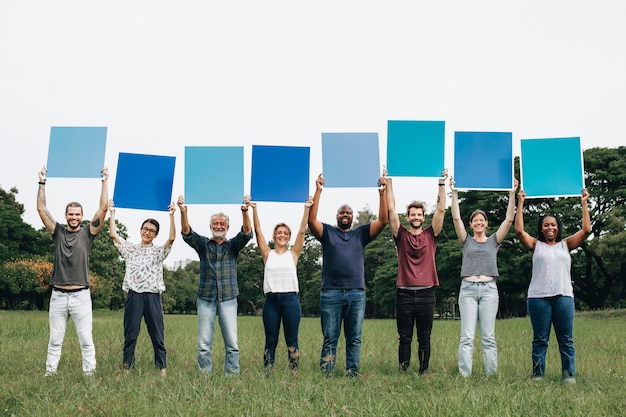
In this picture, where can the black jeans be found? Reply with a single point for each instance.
(150, 307)
(414, 308)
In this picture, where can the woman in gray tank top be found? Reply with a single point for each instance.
(478, 296)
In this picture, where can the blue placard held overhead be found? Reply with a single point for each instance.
(144, 181)
(415, 148)
(350, 159)
(76, 152)
(552, 167)
(483, 160)
(214, 174)
(292, 185)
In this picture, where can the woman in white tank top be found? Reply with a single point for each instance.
(550, 294)
(280, 285)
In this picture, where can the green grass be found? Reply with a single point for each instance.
(382, 390)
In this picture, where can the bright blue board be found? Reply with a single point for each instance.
(415, 148)
(552, 167)
(350, 159)
(280, 173)
(214, 174)
(483, 160)
(144, 181)
(76, 152)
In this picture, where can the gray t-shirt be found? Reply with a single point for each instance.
(479, 258)
(71, 256)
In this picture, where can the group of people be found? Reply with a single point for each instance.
(342, 295)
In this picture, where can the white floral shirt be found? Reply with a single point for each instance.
(144, 266)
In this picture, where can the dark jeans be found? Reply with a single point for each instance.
(414, 308)
(283, 307)
(558, 312)
(148, 306)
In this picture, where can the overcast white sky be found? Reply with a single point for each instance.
(162, 75)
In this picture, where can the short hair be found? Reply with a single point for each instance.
(220, 214)
(74, 204)
(281, 225)
(540, 235)
(415, 204)
(152, 222)
(476, 213)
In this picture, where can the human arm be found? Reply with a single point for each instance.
(247, 227)
(525, 239)
(317, 228)
(378, 225)
(504, 228)
(394, 219)
(112, 225)
(264, 248)
(459, 227)
(440, 211)
(298, 245)
(98, 219)
(172, 236)
(579, 237)
(42, 209)
(184, 220)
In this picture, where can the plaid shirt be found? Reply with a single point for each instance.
(218, 265)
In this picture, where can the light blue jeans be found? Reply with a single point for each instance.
(337, 306)
(78, 306)
(227, 312)
(478, 301)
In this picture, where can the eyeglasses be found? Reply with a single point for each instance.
(148, 230)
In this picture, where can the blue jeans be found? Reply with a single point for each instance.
(283, 307)
(337, 306)
(414, 308)
(78, 306)
(478, 301)
(227, 312)
(558, 312)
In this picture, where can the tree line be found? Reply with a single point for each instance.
(598, 267)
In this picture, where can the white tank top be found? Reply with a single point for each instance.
(281, 274)
(551, 271)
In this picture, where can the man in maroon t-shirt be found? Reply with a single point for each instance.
(417, 274)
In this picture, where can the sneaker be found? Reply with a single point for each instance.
(163, 372)
(537, 378)
(50, 373)
(569, 380)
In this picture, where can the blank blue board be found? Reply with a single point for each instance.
(350, 159)
(144, 181)
(76, 152)
(280, 173)
(214, 174)
(552, 167)
(483, 160)
(415, 148)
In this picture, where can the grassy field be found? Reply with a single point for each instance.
(382, 390)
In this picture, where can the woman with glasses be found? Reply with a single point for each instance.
(143, 283)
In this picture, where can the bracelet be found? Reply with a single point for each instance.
(244, 210)
(442, 185)
(42, 183)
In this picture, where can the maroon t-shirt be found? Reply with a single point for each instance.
(416, 258)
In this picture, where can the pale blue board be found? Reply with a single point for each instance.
(280, 173)
(214, 174)
(144, 181)
(552, 167)
(483, 160)
(415, 148)
(76, 152)
(350, 159)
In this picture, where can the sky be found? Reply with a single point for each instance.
(162, 75)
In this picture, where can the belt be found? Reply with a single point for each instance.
(68, 291)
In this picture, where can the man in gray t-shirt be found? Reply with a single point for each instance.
(70, 275)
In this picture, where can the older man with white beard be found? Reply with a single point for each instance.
(218, 289)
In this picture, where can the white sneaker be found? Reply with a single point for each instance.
(569, 380)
